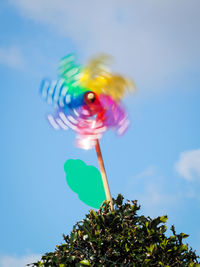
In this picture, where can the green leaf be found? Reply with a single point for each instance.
(183, 248)
(151, 248)
(85, 262)
(126, 247)
(163, 218)
(183, 235)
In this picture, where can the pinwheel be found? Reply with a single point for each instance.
(87, 99)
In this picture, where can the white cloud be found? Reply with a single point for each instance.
(12, 261)
(150, 39)
(12, 57)
(158, 194)
(153, 192)
(147, 172)
(188, 165)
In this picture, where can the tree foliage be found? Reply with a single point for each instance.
(121, 238)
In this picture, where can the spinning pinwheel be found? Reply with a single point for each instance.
(88, 100)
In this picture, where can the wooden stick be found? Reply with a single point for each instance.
(103, 174)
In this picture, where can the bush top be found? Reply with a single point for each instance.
(121, 238)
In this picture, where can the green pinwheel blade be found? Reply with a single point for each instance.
(86, 181)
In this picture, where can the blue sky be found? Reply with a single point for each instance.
(157, 161)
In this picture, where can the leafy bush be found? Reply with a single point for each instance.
(121, 238)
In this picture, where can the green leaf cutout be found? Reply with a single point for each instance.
(86, 181)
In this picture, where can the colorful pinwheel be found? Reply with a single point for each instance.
(88, 100)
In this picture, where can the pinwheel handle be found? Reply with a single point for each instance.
(103, 174)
